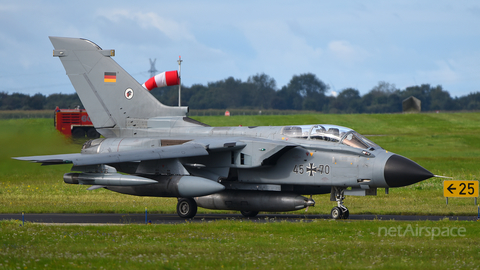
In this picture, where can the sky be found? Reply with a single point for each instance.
(346, 44)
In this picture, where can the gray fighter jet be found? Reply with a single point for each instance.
(163, 153)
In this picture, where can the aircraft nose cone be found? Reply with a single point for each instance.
(400, 171)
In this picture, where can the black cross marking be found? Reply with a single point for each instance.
(311, 169)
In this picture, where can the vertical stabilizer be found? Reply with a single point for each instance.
(109, 94)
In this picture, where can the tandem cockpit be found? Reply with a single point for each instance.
(330, 133)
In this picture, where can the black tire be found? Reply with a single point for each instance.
(249, 213)
(93, 134)
(186, 208)
(346, 214)
(78, 133)
(336, 213)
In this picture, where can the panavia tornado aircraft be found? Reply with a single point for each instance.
(151, 149)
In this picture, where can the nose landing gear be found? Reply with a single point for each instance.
(340, 211)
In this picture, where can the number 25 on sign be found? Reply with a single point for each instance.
(460, 188)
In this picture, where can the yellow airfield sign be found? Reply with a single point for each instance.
(460, 188)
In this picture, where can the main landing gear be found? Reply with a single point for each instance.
(340, 211)
(186, 207)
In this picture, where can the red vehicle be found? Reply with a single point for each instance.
(75, 123)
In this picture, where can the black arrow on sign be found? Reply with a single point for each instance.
(450, 188)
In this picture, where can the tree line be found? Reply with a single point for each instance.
(303, 92)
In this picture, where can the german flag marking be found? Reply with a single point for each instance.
(110, 77)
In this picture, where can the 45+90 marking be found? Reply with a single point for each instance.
(311, 169)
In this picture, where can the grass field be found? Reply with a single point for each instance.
(446, 144)
(321, 244)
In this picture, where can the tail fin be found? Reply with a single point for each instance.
(106, 90)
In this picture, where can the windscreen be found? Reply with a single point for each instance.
(329, 133)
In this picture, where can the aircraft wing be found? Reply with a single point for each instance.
(272, 150)
(174, 151)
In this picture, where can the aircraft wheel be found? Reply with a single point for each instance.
(186, 208)
(337, 213)
(346, 214)
(249, 213)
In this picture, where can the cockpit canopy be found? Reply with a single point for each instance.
(329, 133)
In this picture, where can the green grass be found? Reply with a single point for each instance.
(446, 144)
(243, 245)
